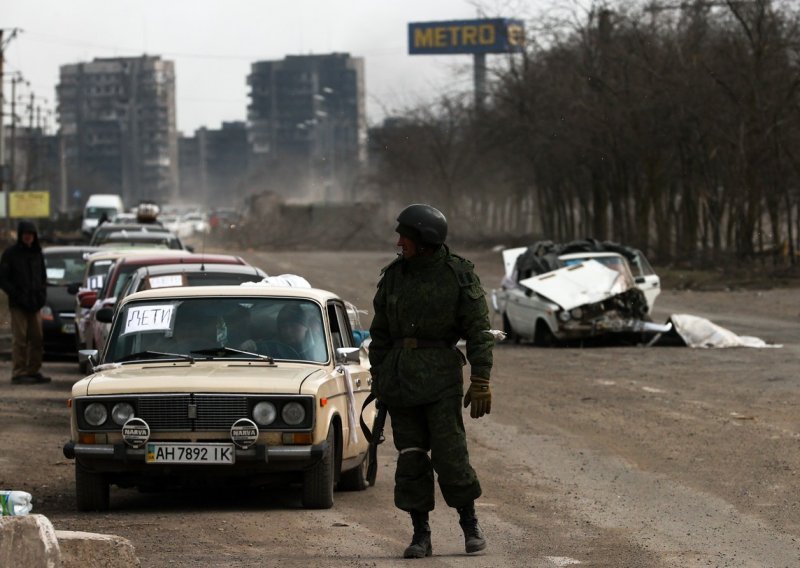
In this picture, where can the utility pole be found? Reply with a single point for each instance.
(12, 158)
(4, 41)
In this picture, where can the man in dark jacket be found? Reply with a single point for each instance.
(427, 300)
(23, 278)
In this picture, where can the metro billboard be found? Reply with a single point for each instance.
(499, 35)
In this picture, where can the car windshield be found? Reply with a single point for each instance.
(64, 267)
(159, 241)
(204, 278)
(281, 328)
(97, 212)
(97, 274)
(613, 262)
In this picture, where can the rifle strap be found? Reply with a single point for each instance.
(364, 427)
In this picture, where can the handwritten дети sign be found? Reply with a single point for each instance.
(148, 318)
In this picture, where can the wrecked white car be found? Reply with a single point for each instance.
(592, 294)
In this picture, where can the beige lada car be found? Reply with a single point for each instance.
(223, 384)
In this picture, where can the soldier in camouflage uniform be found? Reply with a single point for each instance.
(427, 300)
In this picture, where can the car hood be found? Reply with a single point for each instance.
(229, 377)
(572, 286)
(59, 299)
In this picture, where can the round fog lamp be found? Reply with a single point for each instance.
(563, 316)
(135, 432)
(121, 413)
(95, 414)
(244, 433)
(293, 413)
(264, 413)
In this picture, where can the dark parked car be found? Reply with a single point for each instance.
(65, 266)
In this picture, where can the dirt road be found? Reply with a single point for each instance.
(618, 457)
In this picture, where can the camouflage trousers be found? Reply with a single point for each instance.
(439, 428)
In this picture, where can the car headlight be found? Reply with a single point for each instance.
(121, 413)
(47, 313)
(95, 414)
(577, 313)
(264, 413)
(293, 413)
(563, 316)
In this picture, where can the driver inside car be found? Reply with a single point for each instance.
(295, 339)
(191, 331)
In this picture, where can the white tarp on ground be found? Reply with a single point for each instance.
(700, 332)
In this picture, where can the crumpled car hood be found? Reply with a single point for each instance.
(200, 377)
(573, 286)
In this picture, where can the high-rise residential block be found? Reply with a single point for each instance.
(118, 119)
(307, 122)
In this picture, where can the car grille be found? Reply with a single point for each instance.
(192, 412)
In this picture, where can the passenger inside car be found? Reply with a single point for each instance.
(296, 336)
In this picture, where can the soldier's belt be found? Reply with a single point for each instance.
(414, 343)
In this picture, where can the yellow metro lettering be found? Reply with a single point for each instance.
(469, 35)
(423, 38)
(516, 35)
(486, 34)
(441, 39)
(454, 35)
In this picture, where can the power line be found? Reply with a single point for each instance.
(55, 40)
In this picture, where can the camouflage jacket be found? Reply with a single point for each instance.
(435, 299)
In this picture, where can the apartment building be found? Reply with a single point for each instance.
(118, 119)
(307, 122)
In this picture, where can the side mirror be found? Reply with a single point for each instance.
(88, 298)
(190, 248)
(89, 356)
(345, 355)
(73, 288)
(105, 315)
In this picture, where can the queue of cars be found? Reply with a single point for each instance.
(201, 369)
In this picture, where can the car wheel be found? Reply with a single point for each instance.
(508, 330)
(91, 490)
(543, 337)
(356, 478)
(318, 481)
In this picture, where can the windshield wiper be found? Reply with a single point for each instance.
(144, 355)
(223, 351)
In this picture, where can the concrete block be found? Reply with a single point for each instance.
(91, 550)
(28, 541)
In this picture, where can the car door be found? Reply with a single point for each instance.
(646, 279)
(342, 336)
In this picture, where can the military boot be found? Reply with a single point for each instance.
(420, 546)
(474, 540)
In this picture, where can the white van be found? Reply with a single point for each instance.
(96, 206)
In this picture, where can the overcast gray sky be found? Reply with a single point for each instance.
(213, 43)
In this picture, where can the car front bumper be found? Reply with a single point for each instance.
(121, 457)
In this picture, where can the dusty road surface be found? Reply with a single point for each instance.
(613, 457)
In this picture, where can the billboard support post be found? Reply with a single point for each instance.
(479, 72)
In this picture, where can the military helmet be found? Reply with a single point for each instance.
(423, 223)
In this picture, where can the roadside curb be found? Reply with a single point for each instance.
(31, 541)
